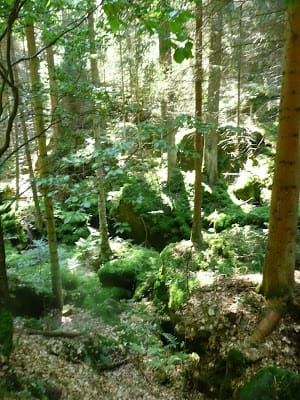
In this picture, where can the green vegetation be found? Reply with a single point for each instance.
(272, 383)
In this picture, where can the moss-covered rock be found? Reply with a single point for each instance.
(151, 215)
(272, 383)
(135, 272)
(176, 278)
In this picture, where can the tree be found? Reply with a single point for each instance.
(7, 80)
(196, 236)
(213, 91)
(44, 165)
(279, 264)
(165, 60)
(278, 273)
(98, 126)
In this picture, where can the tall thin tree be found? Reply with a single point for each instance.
(98, 128)
(43, 164)
(196, 236)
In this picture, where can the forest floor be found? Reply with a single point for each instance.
(58, 362)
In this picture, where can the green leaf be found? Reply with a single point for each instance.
(179, 55)
(111, 11)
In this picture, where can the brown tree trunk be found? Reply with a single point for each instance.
(6, 320)
(44, 166)
(37, 208)
(196, 236)
(53, 96)
(279, 265)
(213, 92)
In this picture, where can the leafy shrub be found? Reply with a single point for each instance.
(236, 248)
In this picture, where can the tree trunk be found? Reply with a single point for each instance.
(165, 60)
(239, 69)
(53, 96)
(37, 208)
(105, 249)
(213, 93)
(6, 320)
(196, 236)
(279, 265)
(44, 166)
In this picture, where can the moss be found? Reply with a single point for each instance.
(6, 332)
(176, 278)
(235, 364)
(272, 383)
(135, 272)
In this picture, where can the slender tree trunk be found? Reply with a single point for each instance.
(37, 207)
(44, 166)
(165, 60)
(16, 137)
(213, 92)
(105, 250)
(196, 236)
(53, 97)
(6, 320)
(239, 69)
(279, 265)
(7, 80)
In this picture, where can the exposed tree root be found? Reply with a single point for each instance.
(53, 333)
(266, 326)
(276, 308)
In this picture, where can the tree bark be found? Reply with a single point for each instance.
(279, 264)
(165, 60)
(196, 236)
(53, 97)
(6, 320)
(37, 208)
(44, 166)
(105, 249)
(213, 92)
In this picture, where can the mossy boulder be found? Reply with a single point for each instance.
(176, 278)
(135, 272)
(270, 384)
(249, 192)
(150, 214)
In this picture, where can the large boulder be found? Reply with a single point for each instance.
(150, 214)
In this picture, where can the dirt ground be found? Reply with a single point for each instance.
(228, 310)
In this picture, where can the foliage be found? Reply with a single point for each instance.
(220, 212)
(98, 349)
(270, 383)
(31, 267)
(6, 332)
(235, 249)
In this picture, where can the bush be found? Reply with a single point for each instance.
(272, 383)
